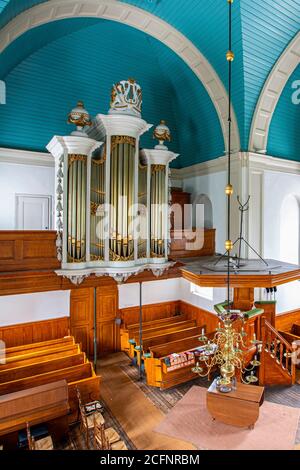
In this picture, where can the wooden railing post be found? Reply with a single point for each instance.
(263, 351)
(293, 361)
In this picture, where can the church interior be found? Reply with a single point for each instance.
(149, 225)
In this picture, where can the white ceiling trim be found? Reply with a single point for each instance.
(270, 95)
(138, 18)
(25, 157)
(255, 161)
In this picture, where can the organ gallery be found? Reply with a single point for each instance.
(149, 230)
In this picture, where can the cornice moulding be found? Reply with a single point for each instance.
(26, 157)
(253, 161)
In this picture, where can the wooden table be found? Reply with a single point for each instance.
(239, 407)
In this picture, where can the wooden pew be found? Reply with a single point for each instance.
(81, 375)
(43, 404)
(172, 328)
(18, 350)
(177, 347)
(129, 330)
(164, 338)
(40, 356)
(30, 370)
(157, 372)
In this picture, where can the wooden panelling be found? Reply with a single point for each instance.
(151, 312)
(82, 318)
(243, 299)
(26, 333)
(204, 319)
(180, 241)
(108, 332)
(26, 250)
(285, 322)
(107, 336)
(269, 309)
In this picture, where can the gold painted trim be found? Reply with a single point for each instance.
(122, 139)
(75, 158)
(156, 168)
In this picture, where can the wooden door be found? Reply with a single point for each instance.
(108, 332)
(82, 318)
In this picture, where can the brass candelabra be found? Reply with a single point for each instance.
(226, 351)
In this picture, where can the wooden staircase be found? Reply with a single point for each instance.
(277, 366)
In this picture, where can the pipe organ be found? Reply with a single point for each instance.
(112, 199)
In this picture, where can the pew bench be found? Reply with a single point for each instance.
(172, 328)
(18, 350)
(82, 376)
(30, 370)
(41, 356)
(128, 331)
(35, 405)
(159, 369)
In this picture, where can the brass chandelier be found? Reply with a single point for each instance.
(226, 349)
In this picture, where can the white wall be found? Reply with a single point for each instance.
(21, 179)
(219, 295)
(166, 291)
(277, 187)
(153, 292)
(26, 308)
(213, 186)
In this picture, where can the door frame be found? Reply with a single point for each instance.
(44, 196)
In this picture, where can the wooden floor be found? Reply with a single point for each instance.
(137, 415)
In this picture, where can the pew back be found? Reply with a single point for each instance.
(41, 345)
(166, 329)
(30, 370)
(156, 323)
(35, 405)
(40, 356)
(170, 337)
(175, 347)
(70, 374)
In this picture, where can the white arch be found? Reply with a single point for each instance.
(138, 18)
(270, 95)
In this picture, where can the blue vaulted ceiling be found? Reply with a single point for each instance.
(45, 85)
(262, 30)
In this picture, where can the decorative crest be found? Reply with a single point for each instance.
(126, 98)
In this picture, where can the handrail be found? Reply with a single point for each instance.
(279, 336)
(278, 347)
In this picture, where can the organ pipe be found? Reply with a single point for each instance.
(122, 197)
(77, 175)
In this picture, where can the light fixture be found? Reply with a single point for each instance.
(226, 348)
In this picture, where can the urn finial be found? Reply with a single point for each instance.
(81, 118)
(162, 134)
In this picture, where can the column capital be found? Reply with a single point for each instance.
(158, 156)
(72, 145)
(117, 124)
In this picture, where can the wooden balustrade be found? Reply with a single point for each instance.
(277, 365)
